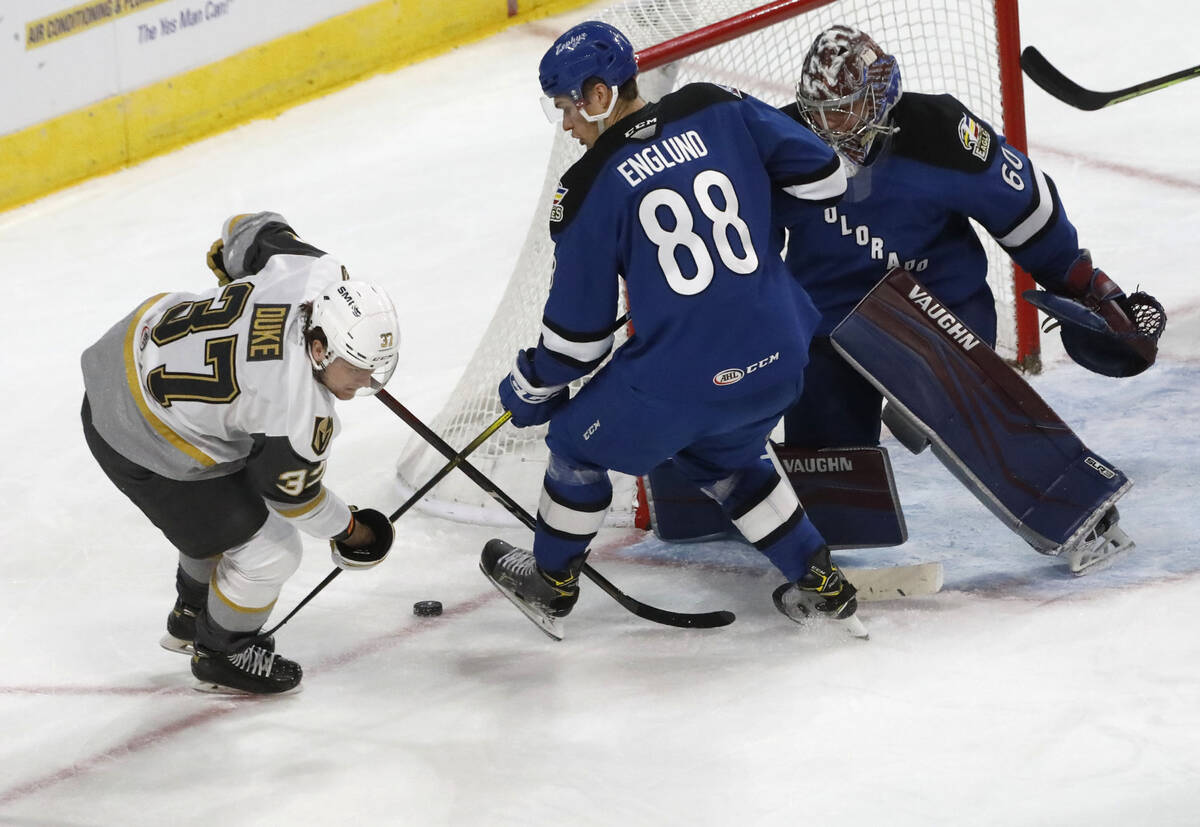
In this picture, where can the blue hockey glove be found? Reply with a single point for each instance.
(526, 398)
(1102, 329)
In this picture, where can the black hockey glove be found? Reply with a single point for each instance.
(368, 556)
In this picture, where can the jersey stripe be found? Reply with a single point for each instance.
(131, 376)
(583, 351)
(1043, 210)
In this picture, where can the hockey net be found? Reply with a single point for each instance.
(968, 48)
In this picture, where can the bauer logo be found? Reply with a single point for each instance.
(729, 377)
(974, 138)
(1099, 467)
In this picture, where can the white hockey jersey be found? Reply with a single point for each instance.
(194, 386)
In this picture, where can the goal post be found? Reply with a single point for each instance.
(968, 48)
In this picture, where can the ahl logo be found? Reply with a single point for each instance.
(143, 337)
(556, 210)
(731, 376)
(974, 138)
(1099, 467)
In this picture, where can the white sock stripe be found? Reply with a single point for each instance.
(568, 520)
(770, 514)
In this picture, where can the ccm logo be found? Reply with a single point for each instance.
(1099, 468)
(731, 375)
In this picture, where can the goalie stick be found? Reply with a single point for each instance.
(702, 620)
(399, 512)
(1044, 74)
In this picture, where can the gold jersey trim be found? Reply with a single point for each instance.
(135, 389)
(300, 510)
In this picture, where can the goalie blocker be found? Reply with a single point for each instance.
(985, 423)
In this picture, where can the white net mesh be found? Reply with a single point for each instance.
(941, 46)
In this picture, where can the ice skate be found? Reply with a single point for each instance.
(822, 593)
(1101, 547)
(253, 670)
(181, 630)
(544, 597)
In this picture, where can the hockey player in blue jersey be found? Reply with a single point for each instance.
(923, 165)
(676, 198)
(921, 168)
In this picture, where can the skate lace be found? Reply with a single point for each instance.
(520, 563)
(254, 660)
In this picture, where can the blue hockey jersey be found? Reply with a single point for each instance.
(910, 208)
(677, 199)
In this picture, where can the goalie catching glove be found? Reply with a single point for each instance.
(523, 395)
(1102, 329)
(372, 554)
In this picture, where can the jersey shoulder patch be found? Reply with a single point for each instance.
(940, 131)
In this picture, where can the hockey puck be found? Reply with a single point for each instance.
(427, 608)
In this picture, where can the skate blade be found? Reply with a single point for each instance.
(210, 688)
(1083, 561)
(176, 644)
(551, 626)
(854, 627)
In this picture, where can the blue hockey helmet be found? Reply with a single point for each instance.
(591, 49)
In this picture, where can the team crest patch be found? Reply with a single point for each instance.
(556, 210)
(322, 433)
(974, 138)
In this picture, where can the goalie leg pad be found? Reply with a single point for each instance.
(985, 423)
(848, 493)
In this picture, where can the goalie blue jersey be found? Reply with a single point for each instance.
(677, 199)
(910, 207)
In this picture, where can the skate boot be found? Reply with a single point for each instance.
(253, 669)
(822, 593)
(1101, 546)
(545, 597)
(181, 630)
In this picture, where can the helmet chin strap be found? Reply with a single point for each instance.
(602, 119)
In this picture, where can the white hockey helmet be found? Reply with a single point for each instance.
(360, 325)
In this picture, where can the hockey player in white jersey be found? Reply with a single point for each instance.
(213, 412)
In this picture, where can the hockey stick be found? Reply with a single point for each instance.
(399, 512)
(703, 620)
(1042, 73)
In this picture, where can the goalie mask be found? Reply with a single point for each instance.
(847, 89)
(360, 326)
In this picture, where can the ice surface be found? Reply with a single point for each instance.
(1019, 695)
